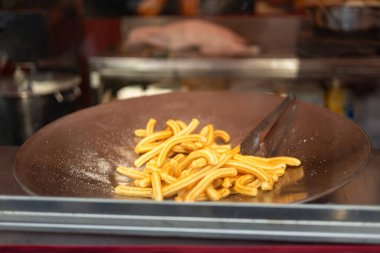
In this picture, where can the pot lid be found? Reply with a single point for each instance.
(37, 85)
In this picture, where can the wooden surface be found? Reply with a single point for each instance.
(363, 190)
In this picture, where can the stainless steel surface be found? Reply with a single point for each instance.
(254, 141)
(151, 69)
(265, 68)
(295, 223)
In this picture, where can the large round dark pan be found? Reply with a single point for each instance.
(77, 155)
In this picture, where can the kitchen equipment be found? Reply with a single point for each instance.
(30, 101)
(77, 155)
(346, 16)
(318, 39)
(255, 142)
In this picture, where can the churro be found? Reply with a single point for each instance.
(183, 164)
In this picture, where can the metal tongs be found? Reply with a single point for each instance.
(267, 135)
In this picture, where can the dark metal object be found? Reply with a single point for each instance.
(319, 45)
(27, 105)
(254, 142)
(346, 18)
(78, 154)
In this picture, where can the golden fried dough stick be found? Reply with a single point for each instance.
(202, 197)
(174, 168)
(172, 189)
(212, 194)
(163, 172)
(255, 184)
(144, 183)
(133, 191)
(157, 136)
(221, 150)
(173, 126)
(132, 173)
(291, 161)
(246, 169)
(188, 172)
(179, 157)
(150, 126)
(149, 155)
(182, 183)
(196, 167)
(224, 193)
(252, 161)
(180, 149)
(191, 146)
(146, 148)
(169, 144)
(166, 166)
(210, 135)
(246, 191)
(204, 131)
(226, 183)
(156, 186)
(167, 178)
(241, 185)
(222, 135)
(199, 163)
(273, 175)
(245, 179)
(189, 128)
(140, 132)
(266, 186)
(223, 146)
(235, 150)
(217, 183)
(193, 156)
(207, 180)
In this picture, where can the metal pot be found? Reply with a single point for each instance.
(27, 104)
(346, 18)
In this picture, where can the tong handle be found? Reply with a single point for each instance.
(251, 144)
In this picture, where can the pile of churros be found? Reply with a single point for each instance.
(178, 163)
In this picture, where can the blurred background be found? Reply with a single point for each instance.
(59, 56)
